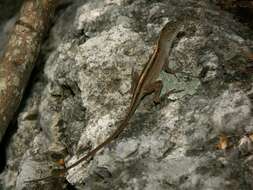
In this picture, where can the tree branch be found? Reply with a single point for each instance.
(20, 55)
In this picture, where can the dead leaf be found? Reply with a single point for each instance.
(251, 137)
(61, 162)
(223, 142)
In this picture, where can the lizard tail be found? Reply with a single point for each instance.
(107, 141)
(60, 172)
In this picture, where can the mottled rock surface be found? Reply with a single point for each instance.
(82, 92)
(8, 10)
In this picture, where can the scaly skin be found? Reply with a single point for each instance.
(146, 83)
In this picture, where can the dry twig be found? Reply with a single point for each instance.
(20, 55)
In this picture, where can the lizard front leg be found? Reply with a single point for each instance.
(168, 70)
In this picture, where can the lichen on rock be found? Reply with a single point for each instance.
(84, 92)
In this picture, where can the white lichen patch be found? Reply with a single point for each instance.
(232, 112)
(170, 115)
(106, 61)
(124, 149)
(118, 2)
(105, 120)
(110, 48)
(89, 14)
(85, 94)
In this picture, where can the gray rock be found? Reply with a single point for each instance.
(232, 112)
(82, 94)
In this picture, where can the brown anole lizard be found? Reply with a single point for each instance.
(144, 84)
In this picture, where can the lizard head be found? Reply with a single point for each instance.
(170, 31)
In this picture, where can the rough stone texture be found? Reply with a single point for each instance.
(83, 92)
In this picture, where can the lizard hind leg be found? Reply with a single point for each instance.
(168, 70)
(155, 87)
